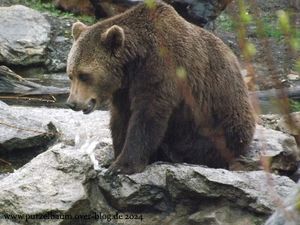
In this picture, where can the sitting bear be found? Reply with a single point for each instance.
(175, 90)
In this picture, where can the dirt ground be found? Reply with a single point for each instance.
(277, 57)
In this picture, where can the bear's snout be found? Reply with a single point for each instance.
(88, 108)
(72, 105)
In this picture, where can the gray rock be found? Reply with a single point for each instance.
(275, 147)
(270, 120)
(3, 105)
(199, 12)
(18, 147)
(285, 126)
(55, 182)
(62, 181)
(19, 132)
(22, 137)
(223, 215)
(71, 125)
(289, 212)
(192, 182)
(24, 35)
(60, 44)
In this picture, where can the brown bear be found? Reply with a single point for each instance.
(176, 90)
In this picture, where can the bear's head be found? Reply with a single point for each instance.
(93, 65)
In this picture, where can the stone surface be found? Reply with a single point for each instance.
(293, 76)
(62, 181)
(289, 213)
(24, 35)
(60, 43)
(269, 121)
(71, 124)
(19, 132)
(22, 137)
(70, 179)
(53, 182)
(292, 128)
(3, 105)
(192, 182)
(276, 148)
(199, 12)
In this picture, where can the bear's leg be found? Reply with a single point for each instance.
(221, 147)
(118, 127)
(209, 151)
(119, 120)
(239, 136)
(146, 129)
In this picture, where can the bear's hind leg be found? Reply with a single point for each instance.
(209, 151)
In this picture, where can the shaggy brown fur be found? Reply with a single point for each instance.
(176, 90)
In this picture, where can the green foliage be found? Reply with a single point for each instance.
(245, 17)
(295, 43)
(295, 105)
(48, 6)
(297, 65)
(270, 28)
(225, 22)
(85, 19)
(284, 21)
(297, 205)
(150, 3)
(250, 49)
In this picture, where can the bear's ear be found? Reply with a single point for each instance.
(113, 38)
(77, 28)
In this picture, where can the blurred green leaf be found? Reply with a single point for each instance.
(181, 73)
(150, 3)
(283, 21)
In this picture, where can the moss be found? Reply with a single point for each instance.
(295, 105)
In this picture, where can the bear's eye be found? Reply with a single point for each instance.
(83, 77)
(70, 77)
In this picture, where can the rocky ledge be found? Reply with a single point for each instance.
(68, 182)
(65, 180)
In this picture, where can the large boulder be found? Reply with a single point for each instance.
(57, 182)
(290, 124)
(277, 148)
(70, 179)
(60, 43)
(199, 12)
(71, 125)
(22, 136)
(63, 181)
(24, 35)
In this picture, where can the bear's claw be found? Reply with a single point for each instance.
(117, 168)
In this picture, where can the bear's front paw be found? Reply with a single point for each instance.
(125, 168)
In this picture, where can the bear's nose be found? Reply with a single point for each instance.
(71, 105)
